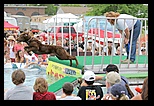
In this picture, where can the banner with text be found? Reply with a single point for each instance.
(59, 70)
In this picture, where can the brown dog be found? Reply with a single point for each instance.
(37, 47)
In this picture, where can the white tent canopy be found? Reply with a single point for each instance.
(79, 26)
(46, 21)
(66, 17)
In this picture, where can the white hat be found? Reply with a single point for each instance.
(110, 39)
(90, 40)
(89, 76)
(11, 38)
(113, 77)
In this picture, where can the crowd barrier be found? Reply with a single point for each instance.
(141, 62)
(136, 65)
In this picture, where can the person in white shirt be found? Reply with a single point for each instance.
(108, 48)
(126, 24)
(11, 44)
(32, 59)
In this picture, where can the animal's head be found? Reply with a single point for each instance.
(25, 36)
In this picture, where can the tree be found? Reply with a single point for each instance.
(51, 9)
(137, 10)
(71, 5)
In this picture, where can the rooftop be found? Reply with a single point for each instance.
(75, 10)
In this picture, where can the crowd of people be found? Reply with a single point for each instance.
(117, 85)
(14, 51)
(117, 88)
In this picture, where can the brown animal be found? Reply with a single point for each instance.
(37, 47)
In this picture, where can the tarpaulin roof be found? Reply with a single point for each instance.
(66, 17)
(8, 26)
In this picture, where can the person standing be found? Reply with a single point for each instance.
(11, 44)
(126, 24)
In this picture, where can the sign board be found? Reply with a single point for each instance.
(59, 70)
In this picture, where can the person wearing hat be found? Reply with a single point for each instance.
(108, 48)
(113, 78)
(11, 44)
(90, 91)
(11, 38)
(118, 92)
(114, 68)
(89, 45)
(110, 68)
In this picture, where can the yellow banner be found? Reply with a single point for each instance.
(59, 70)
(10, 28)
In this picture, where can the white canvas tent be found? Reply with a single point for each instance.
(62, 18)
(46, 21)
(79, 26)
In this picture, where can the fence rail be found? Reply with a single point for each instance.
(143, 66)
(101, 41)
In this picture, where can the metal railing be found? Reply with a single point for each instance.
(142, 67)
(61, 23)
(97, 37)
